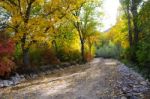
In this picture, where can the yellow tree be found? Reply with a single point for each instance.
(118, 34)
(92, 39)
(86, 22)
(34, 20)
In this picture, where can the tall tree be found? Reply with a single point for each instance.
(134, 10)
(130, 8)
(86, 24)
(34, 20)
(126, 7)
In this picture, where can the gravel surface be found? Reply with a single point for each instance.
(99, 79)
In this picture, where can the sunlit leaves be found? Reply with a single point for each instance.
(118, 34)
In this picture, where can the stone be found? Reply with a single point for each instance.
(17, 75)
(124, 88)
(34, 75)
(1, 83)
(5, 83)
(129, 94)
(123, 97)
(81, 97)
(134, 97)
(143, 83)
(22, 78)
(10, 82)
(65, 64)
(15, 80)
(136, 90)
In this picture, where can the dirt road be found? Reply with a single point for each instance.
(99, 79)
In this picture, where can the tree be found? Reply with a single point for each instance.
(34, 20)
(118, 34)
(93, 39)
(131, 12)
(86, 24)
(143, 53)
(131, 7)
(126, 7)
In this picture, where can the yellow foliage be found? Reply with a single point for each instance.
(118, 34)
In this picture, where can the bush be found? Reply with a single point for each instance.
(67, 55)
(6, 53)
(36, 54)
(18, 55)
(88, 56)
(49, 57)
(143, 54)
(143, 58)
(108, 51)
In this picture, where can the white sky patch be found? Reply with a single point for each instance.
(110, 9)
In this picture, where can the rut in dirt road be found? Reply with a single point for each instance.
(99, 79)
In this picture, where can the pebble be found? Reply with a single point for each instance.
(131, 83)
(5, 83)
(123, 97)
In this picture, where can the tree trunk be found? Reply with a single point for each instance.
(129, 27)
(136, 30)
(90, 48)
(82, 43)
(26, 60)
(55, 48)
(135, 21)
(82, 50)
(25, 51)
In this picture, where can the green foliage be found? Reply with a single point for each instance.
(143, 54)
(36, 55)
(18, 54)
(139, 50)
(65, 55)
(109, 51)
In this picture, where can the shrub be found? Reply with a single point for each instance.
(6, 52)
(88, 57)
(69, 55)
(36, 55)
(18, 55)
(108, 51)
(143, 58)
(143, 53)
(49, 57)
(6, 66)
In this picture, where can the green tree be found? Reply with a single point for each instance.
(86, 24)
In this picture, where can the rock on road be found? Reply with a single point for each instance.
(98, 79)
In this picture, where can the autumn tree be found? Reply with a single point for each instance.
(118, 34)
(34, 20)
(126, 8)
(86, 23)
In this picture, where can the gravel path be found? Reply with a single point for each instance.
(99, 79)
